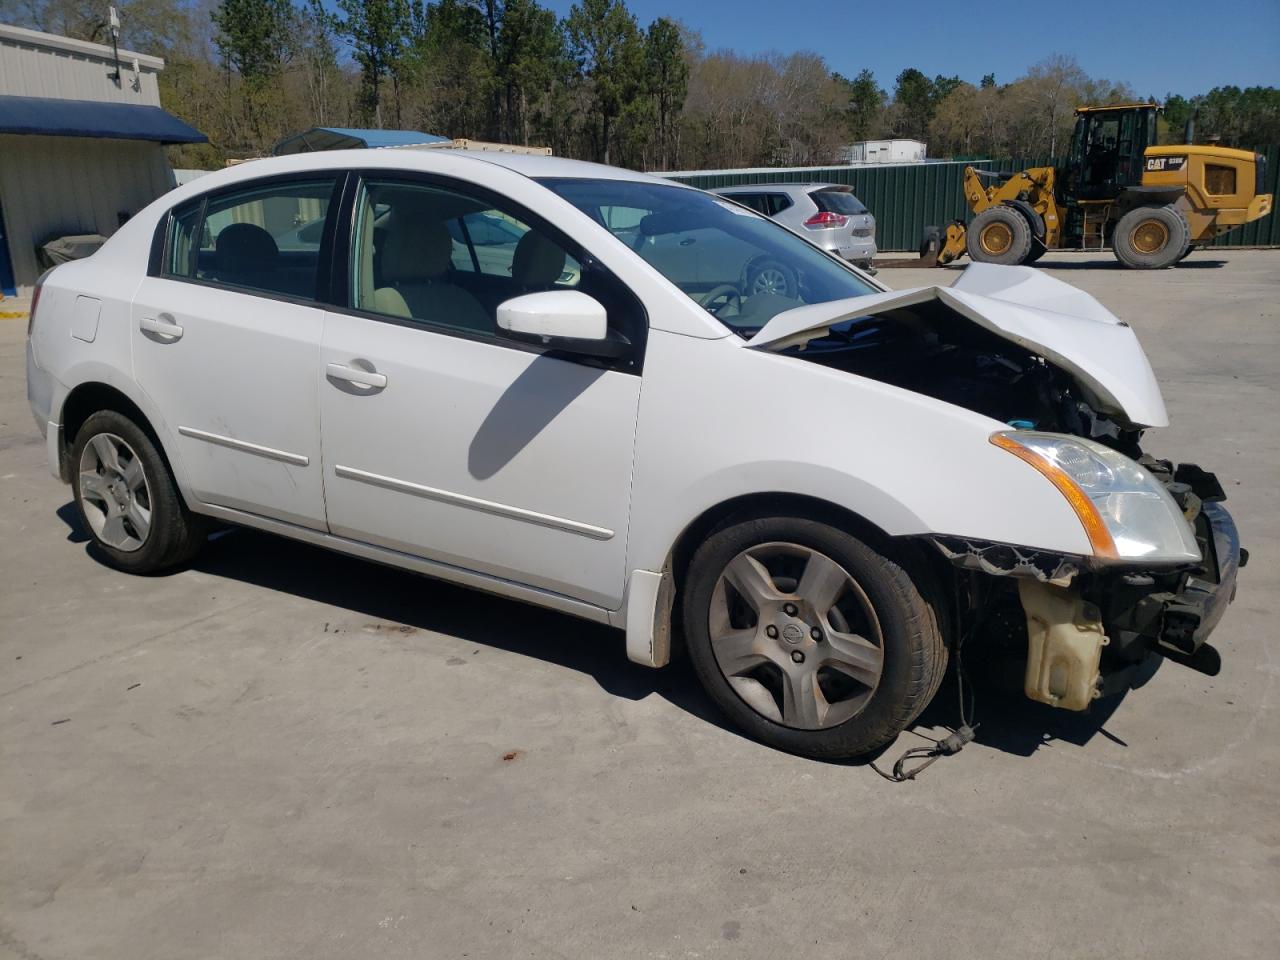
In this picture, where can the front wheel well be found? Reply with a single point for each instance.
(755, 505)
(936, 577)
(86, 400)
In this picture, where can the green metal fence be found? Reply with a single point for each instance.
(907, 198)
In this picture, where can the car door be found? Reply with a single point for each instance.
(444, 440)
(226, 339)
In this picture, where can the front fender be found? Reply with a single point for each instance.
(718, 422)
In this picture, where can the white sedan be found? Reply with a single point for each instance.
(824, 491)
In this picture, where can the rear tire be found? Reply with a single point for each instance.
(127, 498)
(808, 639)
(1151, 238)
(999, 235)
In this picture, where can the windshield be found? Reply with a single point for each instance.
(743, 268)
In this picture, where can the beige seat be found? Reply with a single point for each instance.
(414, 260)
(537, 263)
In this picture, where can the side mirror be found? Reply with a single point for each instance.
(561, 319)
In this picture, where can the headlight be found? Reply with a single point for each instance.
(1127, 513)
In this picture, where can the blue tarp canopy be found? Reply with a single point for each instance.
(93, 118)
(348, 138)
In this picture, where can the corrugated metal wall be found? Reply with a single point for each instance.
(54, 186)
(907, 198)
(30, 67)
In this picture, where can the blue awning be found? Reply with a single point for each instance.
(92, 118)
(351, 138)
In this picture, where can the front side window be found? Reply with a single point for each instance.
(264, 237)
(741, 267)
(447, 258)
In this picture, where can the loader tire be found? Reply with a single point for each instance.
(999, 235)
(1151, 238)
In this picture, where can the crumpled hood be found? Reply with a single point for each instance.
(1064, 325)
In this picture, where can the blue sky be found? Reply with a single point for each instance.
(1179, 46)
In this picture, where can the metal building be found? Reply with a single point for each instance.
(81, 143)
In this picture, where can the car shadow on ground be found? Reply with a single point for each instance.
(1010, 722)
(1111, 263)
(1007, 720)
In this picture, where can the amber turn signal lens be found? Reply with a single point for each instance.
(1100, 538)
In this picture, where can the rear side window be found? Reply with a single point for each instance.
(837, 201)
(756, 201)
(777, 202)
(264, 238)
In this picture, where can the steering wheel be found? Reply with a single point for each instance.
(726, 292)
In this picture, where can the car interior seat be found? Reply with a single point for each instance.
(537, 262)
(245, 255)
(414, 259)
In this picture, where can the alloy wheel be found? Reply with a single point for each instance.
(114, 494)
(770, 280)
(795, 636)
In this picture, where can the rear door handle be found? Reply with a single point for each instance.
(167, 329)
(365, 378)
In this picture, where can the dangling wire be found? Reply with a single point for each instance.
(954, 742)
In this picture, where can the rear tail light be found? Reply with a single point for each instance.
(35, 302)
(825, 220)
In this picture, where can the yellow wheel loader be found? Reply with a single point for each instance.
(1151, 204)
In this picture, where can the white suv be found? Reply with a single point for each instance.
(826, 487)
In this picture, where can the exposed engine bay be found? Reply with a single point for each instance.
(928, 349)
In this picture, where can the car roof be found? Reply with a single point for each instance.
(543, 167)
(438, 160)
(765, 187)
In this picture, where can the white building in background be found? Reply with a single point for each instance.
(885, 151)
(81, 143)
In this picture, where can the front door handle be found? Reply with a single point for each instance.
(365, 378)
(166, 329)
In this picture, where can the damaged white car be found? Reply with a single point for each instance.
(825, 484)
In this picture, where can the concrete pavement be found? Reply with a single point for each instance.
(285, 753)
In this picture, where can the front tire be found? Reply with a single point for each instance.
(127, 499)
(1151, 238)
(808, 639)
(999, 234)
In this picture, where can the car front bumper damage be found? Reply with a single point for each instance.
(1092, 632)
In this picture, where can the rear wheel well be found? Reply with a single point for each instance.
(86, 400)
